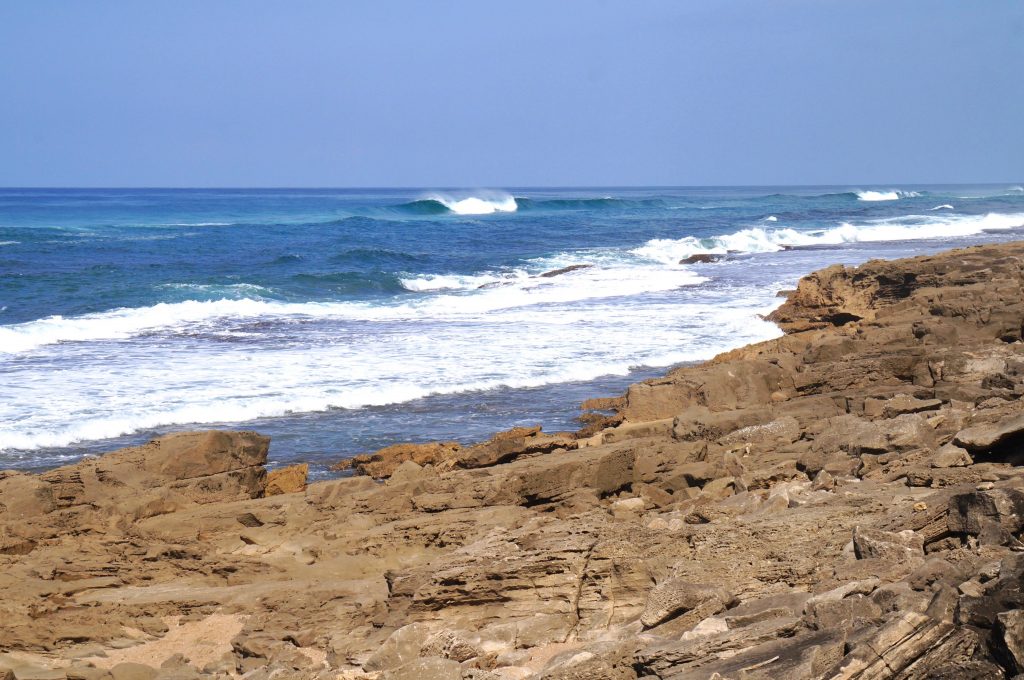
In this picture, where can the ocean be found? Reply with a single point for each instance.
(339, 321)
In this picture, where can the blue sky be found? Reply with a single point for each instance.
(474, 94)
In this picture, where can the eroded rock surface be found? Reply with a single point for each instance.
(842, 502)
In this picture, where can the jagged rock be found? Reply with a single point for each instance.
(904, 546)
(564, 270)
(994, 515)
(702, 258)
(986, 438)
(402, 647)
(382, 464)
(425, 669)
(675, 596)
(291, 479)
(950, 455)
(132, 671)
(509, 445)
(1009, 636)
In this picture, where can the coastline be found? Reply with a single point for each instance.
(836, 502)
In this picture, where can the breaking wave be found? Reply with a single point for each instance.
(891, 195)
(439, 204)
(761, 240)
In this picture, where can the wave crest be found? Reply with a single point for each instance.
(891, 195)
(761, 240)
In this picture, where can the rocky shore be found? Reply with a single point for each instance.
(842, 502)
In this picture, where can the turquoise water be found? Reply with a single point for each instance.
(342, 320)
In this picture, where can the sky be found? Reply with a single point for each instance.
(259, 93)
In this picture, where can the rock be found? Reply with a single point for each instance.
(628, 508)
(720, 488)
(402, 647)
(291, 479)
(904, 403)
(986, 438)
(425, 669)
(132, 671)
(1009, 636)
(382, 464)
(455, 645)
(674, 597)
(904, 546)
(564, 270)
(993, 515)
(702, 258)
(511, 444)
(950, 455)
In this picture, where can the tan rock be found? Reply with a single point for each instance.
(291, 479)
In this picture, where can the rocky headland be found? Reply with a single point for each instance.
(842, 502)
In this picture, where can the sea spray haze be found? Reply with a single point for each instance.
(342, 320)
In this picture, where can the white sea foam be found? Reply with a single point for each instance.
(9, 243)
(152, 382)
(771, 218)
(761, 240)
(484, 204)
(193, 316)
(891, 195)
(944, 206)
(877, 195)
(436, 282)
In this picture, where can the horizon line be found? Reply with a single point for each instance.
(489, 187)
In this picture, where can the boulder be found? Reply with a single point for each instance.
(675, 596)
(985, 438)
(702, 258)
(903, 546)
(382, 464)
(1009, 638)
(291, 479)
(951, 455)
(511, 444)
(564, 270)
(993, 515)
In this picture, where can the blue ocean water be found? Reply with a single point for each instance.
(339, 321)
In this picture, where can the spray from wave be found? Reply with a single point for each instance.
(891, 195)
(761, 240)
(482, 203)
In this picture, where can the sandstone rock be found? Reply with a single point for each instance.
(382, 464)
(951, 455)
(1009, 636)
(994, 515)
(402, 647)
(132, 671)
(675, 596)
(509, 445)
(425, 669)
(986, 438)
(904, 546)
(291, 479)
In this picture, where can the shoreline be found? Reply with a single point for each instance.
(836, 502)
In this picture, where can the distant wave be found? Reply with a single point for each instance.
(9, 243)
(944, 206)
(761, 240)
(485, 204)
(891, 195)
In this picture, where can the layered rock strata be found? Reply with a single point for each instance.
(842, 502)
